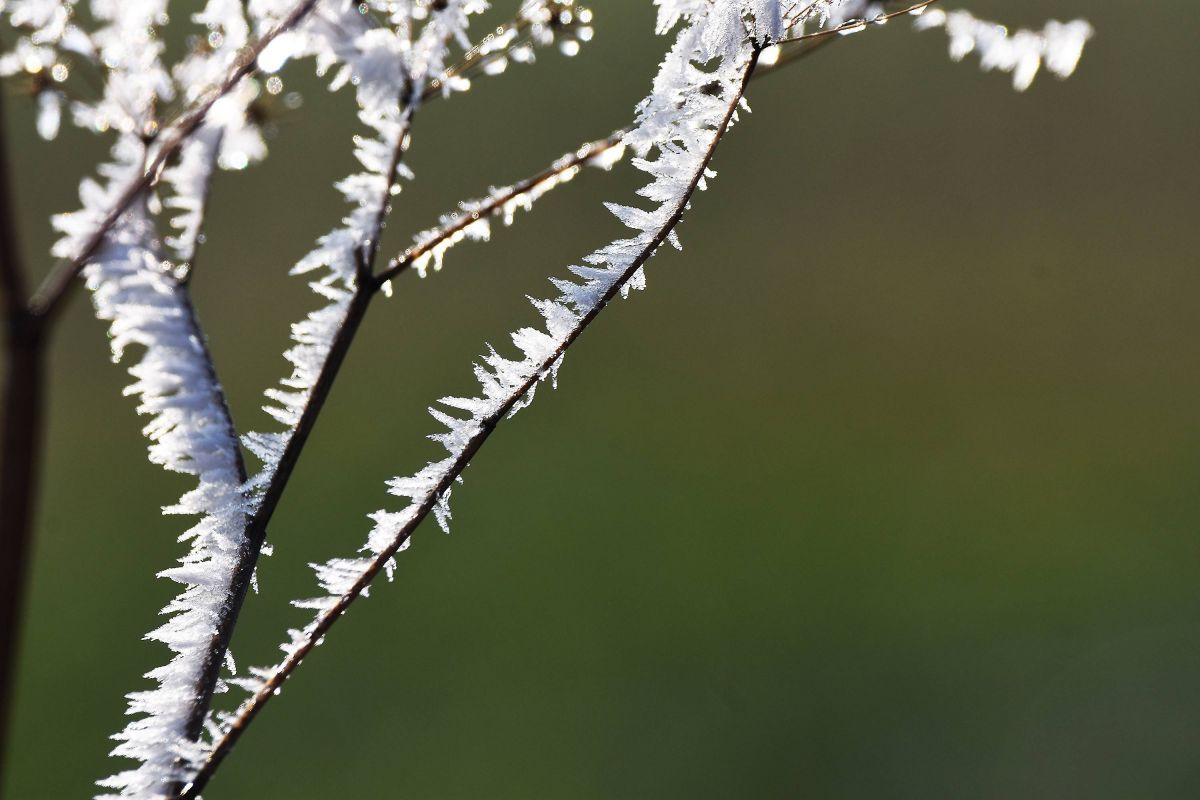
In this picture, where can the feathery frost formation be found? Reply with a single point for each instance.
(127, 45)
(1058, 45)
(190, 433)
(689, 109)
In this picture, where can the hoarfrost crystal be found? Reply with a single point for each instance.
(1058, 45)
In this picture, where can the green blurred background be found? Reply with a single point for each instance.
(886, 487)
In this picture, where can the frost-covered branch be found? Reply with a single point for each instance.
(191, 433)
(685, 119)
(473, 218)
(53, 289)
(176, 125)
(324, 337)
(145, 299)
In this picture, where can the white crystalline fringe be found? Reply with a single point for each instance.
(681, 119)
(373, 59)
(1058, 45)
(189, 180)
(190, 433)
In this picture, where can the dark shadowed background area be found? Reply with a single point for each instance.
(885, 488)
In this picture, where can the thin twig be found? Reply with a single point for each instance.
(53, 290)
(357, 309)
(858, 24)
(495, 204)
(370, 247)
(247, 713)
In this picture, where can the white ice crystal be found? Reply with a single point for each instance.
(1058, 45)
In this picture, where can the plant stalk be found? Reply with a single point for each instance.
(20, 441)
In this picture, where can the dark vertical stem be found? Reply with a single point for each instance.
(20, 441)
(19, 465)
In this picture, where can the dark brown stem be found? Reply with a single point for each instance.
(247, 713)
(19, 473)
(20, 440)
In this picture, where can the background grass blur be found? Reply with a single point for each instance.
(885, 488)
